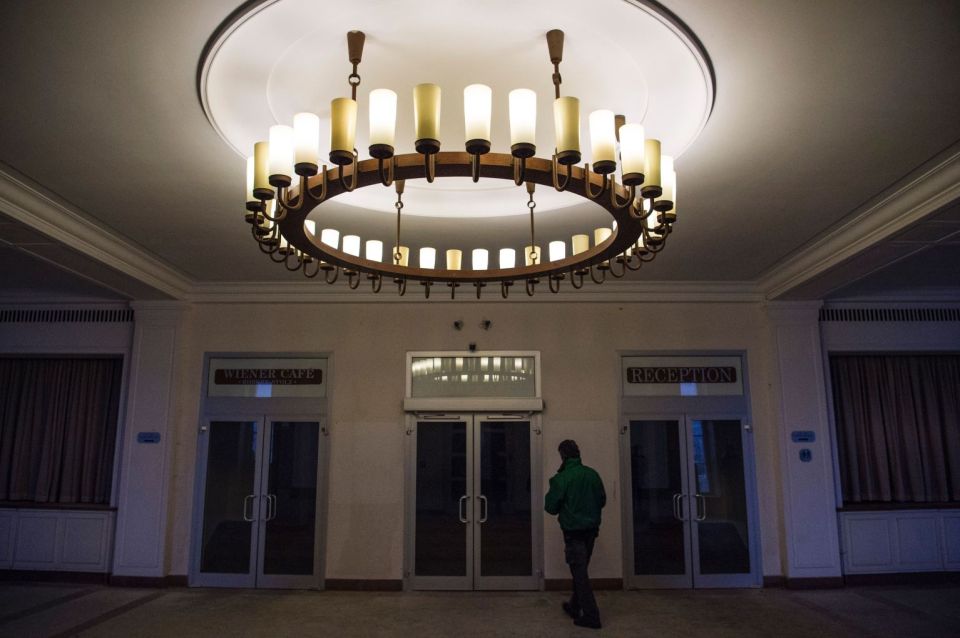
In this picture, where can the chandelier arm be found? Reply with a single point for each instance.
(519, 170)
(387, 179)
(353, 279)
(429, 167)
(531, 283)
(453, 289)
(573, 279)
(554, 282)
(266, 248)
(322, 195)
(294, 204)
(376, 282)
(475, 167)
(328, 278)
(561, 185)
(588, 186)
(286, 260)
(316, 271)
(353, 175)
(505, 288)
(277, 260)
(281, 211)
(603, 277)
(640, 263)
(622, 260)
(479, 286)
(426, 289)
(615, 200)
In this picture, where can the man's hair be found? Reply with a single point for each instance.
(568, 449)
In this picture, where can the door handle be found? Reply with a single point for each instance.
(247, 499)
(272, 499)
(461, 514)
(701, 500)
(678, 506)
(483, 508)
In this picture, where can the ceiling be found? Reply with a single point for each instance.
(820, 108)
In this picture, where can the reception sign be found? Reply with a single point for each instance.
(666, 376)
(267, 378)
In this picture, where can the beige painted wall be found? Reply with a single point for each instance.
(579, 344)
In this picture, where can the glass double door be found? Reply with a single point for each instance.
(691, 503)
(258, 503)
(472, 498)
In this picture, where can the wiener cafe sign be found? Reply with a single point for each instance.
(267, 378)
(681, 376)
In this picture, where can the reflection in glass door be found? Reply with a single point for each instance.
(690, 517)
(258, 504)
(473, 503)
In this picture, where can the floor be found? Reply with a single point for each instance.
(46, 610)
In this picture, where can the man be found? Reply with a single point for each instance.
(577, 496)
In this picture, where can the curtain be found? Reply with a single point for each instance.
(58, 424)
(898, 427)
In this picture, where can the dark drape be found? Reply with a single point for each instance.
(58, 424)
(898, 427)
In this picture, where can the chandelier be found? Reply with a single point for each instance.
(286, 181)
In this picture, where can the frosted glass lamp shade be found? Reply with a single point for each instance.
(477, 104)
(251, 170)
(603, 141)
(281, 154)
(651, 166)
(479, 259)
(374, 250)
(428, 257)
(454, 259)
(532, 255)
(523, 122)
(558, 250)
(351, 245)
(310, 226)
(508, 258)
(632, 153)
(330, 237)
(580, 243)
(426, 116)
(383, 123)
(601, 235)
(404, 256)
(261, 171)
(306, 138)
(668, 177)
(566, 119)
(343, 130)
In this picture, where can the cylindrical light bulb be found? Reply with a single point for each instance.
(330, 237)
(250, 179)
(601, 235)
(566, 119)
(426, 115)
(343, 130)
(311, 226)
(454, 259)
(651, 168)
(532, 255)
(404, 256)
(383, 122)
(261, 170)
(581, 243)
(477, 104)
(281, 153)
(523, 122)
(508, 258)
(428, 257)
(603, 141)
(479, 258)
(558, 250)
(631, 154)
(374, 250)
(306, 136)
(351, 245)
(668, 178)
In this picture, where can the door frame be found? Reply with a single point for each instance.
(471, 581)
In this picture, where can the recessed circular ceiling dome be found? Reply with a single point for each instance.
(281, 57)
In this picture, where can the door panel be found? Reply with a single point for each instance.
(229, 503)
(288, 527)
(442, 531)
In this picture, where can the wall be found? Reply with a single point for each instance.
(579, 343)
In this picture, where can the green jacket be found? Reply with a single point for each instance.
(577, 495)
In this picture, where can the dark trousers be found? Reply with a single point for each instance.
(578, 550)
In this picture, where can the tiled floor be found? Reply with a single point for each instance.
(28, 610)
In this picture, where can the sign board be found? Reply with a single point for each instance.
(267, 378)
(668, 376)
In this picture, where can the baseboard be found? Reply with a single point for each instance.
(356, 584)
(831, 582)
(171, 580)
(774, 581)
(907, 578)
(598, 584)
(42, 576)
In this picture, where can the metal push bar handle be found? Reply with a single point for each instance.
(483, 508)
(247, 499)
(461, 514)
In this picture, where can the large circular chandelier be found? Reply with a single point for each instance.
(286, 181)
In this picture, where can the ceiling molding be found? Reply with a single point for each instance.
(67, 225)
(610, 292)
(915, 197)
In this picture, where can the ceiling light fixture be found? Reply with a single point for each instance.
(286, 181)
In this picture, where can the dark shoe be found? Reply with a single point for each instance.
(570, 610)
(590, 624)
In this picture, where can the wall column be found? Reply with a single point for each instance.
(140, 541)
(808, 495)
